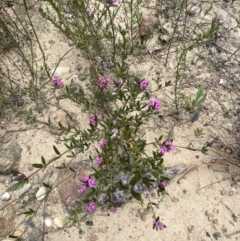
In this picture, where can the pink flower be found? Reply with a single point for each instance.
(163, 184)
(94, 118)
(106, 5)
(103, 81)
(171, 146)
(82, 188)
(91, 182)
(103, 143)
(155, 104)
(57, 81)
(99, 160)
(158, 224)
(85, 179)
(143, 84)
(113, 210)
(163, 150)
(91, 207)
(118, 119)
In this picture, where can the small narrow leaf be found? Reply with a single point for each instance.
(36, 165)
(56, 150)
(16, 186)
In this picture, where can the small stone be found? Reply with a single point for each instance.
(144, 217)
(41, 193)
(48, 222)
(6, 221)
(10, 154)
(6, 196)
(58, 222)
(230, 193)
(18, 233)
(93, 237)
(217, 235)
(61, 71)
(26, 187)
(223, 192)
(141, 211)
(174, 199)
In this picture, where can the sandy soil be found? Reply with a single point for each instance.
(203, 205)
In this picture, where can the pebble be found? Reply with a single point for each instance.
(41, 193)
(144, 217)
(24, 189)
(48, 222)
(61, 71)
(174, 199)
(217, 235)
(58, 222)
(18, 233)
(230, 193)
(6, 196)
(93, 237)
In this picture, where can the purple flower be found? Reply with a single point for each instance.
(119, 195)
(113, 1)
(98, 160)
(138, 188)
(106, 5)
(91, 182)
(94, 118)
(118, 119)
(171, 146)
(82, 188)
(143, 84)
(103, 81)
(163, 150)
(88, 13)
(133, 81)
(158, 224)
(103, 143)
(155, 104)
(91, 207)
(163, 184)
(57, 81)
(85, 179)
(112, 210)
(123, 179)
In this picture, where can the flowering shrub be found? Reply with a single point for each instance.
(122, 167)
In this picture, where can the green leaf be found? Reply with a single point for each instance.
(47, 185)
(16, 186)
(89, 223)
(30, 212)
(136, 196)
(56, 150)
(36, 165)
(43, 161)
